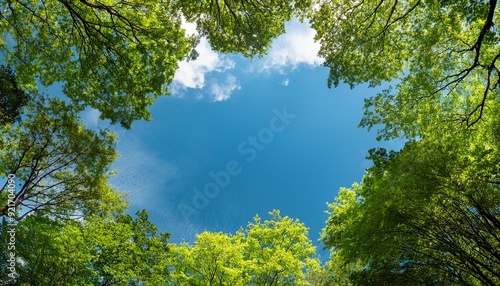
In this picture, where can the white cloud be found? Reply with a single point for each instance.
(293, 48)
(192, 74)
(190, 28)
(222, 91)
(285, 82)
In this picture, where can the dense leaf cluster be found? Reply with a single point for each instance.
(12, 97)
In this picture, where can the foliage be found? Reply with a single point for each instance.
(127, 251)
(441, 56)
(60, 166)
(428, 214)
(279, 251)
(214, 259)
(53, 253)
(115, 56)
(12, 98)
(273, 252)
(111, 249)
(424, 215)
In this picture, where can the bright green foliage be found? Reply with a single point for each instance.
(441, 55)
(242, 26)
(214, 259)
(53, 253)
(279, 251)
(60, 166)
(425, 215)
(274, 252)
(127, 251)
(113, 249)
(318, 275)
(115, 56)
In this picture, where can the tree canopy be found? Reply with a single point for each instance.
(247, 26)
(107, 249)
(441, 57)
(112, 56)
(429, 213)
(426, 213)
(273, 252)
(61, 167)
(113, 248)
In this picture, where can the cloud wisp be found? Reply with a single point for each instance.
(223, 91)
(141, 173)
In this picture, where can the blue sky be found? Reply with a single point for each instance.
(240, 137)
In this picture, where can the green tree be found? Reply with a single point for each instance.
(279, 251)
(214, 259)
(429, 213)
(108, 249)
(425, 215)
(441, 57)
(274, 252)
(61, 167)
(52, 252)
(127, 251)
(115, 56)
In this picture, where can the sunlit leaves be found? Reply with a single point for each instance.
(112, 56)
(61, 167)
(118, 56)
(273, 252)
(111, 249)
(127, 250)
(214, 259)
(426, 213)
(279, 250)
(441, 58)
